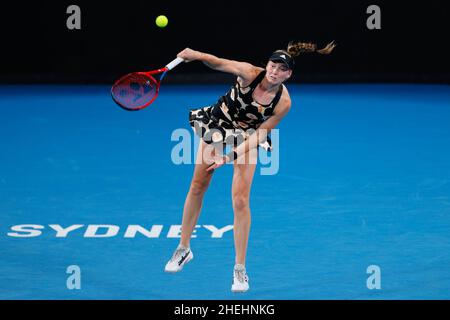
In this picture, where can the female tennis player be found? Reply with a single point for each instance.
(242, 119)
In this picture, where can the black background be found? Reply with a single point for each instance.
(120, 37)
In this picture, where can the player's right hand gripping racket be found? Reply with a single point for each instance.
(137, 90)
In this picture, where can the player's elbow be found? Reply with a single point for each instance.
(213, 62)
(227, 66)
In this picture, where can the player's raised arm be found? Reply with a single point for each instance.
(241, 69)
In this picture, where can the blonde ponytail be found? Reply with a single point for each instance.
(294, 48)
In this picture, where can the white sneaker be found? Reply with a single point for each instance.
(240, 279)
(181, 256)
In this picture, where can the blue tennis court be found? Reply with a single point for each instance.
(362, 178)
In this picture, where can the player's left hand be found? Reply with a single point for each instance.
(218, 162)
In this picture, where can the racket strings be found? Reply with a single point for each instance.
(135, 90)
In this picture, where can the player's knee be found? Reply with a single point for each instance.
(240, 203)
(199, 187)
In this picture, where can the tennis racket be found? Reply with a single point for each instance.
(137, 90)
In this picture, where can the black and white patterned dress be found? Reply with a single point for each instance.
(234, 117)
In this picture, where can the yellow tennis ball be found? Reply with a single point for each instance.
(161, 21)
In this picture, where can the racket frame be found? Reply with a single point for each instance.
(148, 74)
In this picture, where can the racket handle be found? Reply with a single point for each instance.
(174, 63)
